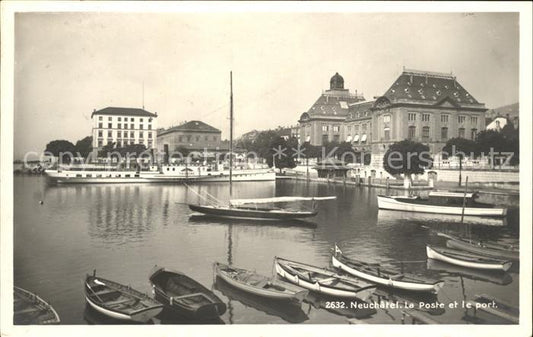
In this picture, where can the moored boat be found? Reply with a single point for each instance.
(28, 308)
(484, 248)
(185, 295)
(441, 203)
(258, 285)
(469, 260)
(119, 301)
(382, 276)
(496, 307)
(322, 280)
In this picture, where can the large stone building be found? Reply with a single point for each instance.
(193, 136)
(322, 123)
(123, 126)
(424, 106)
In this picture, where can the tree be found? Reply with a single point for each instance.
(407, 157)
(61, 148)
(460, 147)
(280, 152)
(84, 146)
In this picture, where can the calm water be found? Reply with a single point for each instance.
(122, 231)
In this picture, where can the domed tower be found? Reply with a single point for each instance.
(336, 82)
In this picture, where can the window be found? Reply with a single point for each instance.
(141, 141)
(411, 117)
(100, 133)
(119, 134)
(140, 120)
(363, 127)
(461, 119)
(149, 143)
(411, 132)
(141, 134)
(444, 133)
(325, 139)
(473, 120)
(120, 119)
(100, 143)
(140, 126)
(335, 128)
(99, 118)
(110, 134)
(109, 125)
(132, 127)
(386, 133)
(425, 133)
(180, 139)
(149, 126)
(461, 132)
(125, 126)
(132, 119)
(425, 117)
(132, 134)
(473, 134)
(149, 135)
(109, 118)
(100, 125)
(386, 119)
(444, 118)
(325, 128)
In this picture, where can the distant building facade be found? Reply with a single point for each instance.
(193, 136)
(426, 107)
(322, 123)
(123, 126)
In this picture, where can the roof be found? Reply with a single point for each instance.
(192, 126)
(332, 106)
(357, 110)
(428, 87)
(497, 123)
(124, 112)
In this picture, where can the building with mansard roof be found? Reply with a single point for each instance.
(423, 106)
(192, 135)
(323, 121)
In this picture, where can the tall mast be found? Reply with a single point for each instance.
(230, 133)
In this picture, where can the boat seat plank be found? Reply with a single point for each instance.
(188, 295)
(27, 310)
(397, 276)
(119, 301)
(104, 292)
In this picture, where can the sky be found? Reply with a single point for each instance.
(68, 64)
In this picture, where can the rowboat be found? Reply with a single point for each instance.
(389, 278)
(469, 273)
(185, 295)
(119, 301)
(251, 213)
(288, 311)
(463, 259)
(484, 248)
(441, 203)
(322, 280)
(259, 285)
(29, 308)
(496, 307)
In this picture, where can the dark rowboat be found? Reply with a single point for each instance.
(29, 308)
(259, 285)
(119, 301)
(389, 278)
(185, 295)
(468, 260)
(496, 307)
(322, 280)
(484, 248)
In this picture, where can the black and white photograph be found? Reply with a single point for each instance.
(263, 168)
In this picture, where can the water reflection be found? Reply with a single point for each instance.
(388, 217)
(213, 220)
(287, 311)
(93, 317)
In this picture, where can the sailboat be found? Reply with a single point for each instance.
(254, 209)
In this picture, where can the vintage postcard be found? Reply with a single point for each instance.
(261, 168)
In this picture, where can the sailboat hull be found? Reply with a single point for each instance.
(254, 214)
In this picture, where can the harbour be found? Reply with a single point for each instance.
(124, 230)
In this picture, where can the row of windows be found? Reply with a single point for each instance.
(120, 143)
(110, 118)
(119, 134)
(188, 138)
(411, 134)
(427, 117)
(119, 126)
